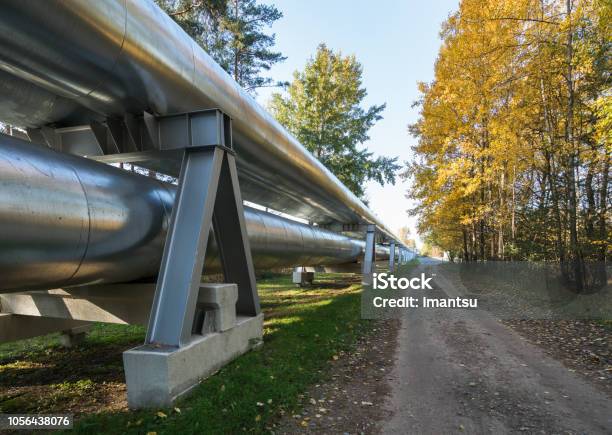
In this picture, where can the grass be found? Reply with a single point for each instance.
(606, 324)
(304, 330)
(100, 334)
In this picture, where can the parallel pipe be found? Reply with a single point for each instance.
(65, 62)
(68, 221)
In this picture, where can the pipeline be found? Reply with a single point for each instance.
(68, 62)
(68, 221)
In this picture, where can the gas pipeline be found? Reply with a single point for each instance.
(69, 63)
(67, 220)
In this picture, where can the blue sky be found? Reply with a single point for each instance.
(396, 41)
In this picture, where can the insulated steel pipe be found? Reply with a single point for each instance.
(68, 221)
(65, 62)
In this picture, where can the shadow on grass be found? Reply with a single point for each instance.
(332, 285)
(257, 387)
(305, 328)
(45, 379)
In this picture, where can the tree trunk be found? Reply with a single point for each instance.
(570, 172)
(589, 224)
(554, 196)
(502, 205)
(603, 214)
(513, 223)
(466, 255)
(482, 240)
(236, 51)
(473, 244)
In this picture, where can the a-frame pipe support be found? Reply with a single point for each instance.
(196, 328)
(369, 255)
(208, 196)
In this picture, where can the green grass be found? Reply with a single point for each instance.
(39, 376)
(304, 329)
(100, 334)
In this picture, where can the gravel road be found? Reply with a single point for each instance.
(462, 371)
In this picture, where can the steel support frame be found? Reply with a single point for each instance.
(369, 255)
(200, 144)
(392, 256)
(178, 351)
(208, 196)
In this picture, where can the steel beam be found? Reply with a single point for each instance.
(369, 255)
(392, 257)
(232, 240)
(172, 314)
(119, 303)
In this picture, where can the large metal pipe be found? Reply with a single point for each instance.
(63, 62)
(67, 221)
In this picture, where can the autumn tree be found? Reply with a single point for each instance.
(323, 109)
(404, 234)
(513, 157)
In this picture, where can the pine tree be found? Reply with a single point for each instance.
(232, 32)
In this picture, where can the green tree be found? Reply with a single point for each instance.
(250, 48)
(322, 108)
(232, 32)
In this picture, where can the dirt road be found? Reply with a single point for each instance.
(460, 371)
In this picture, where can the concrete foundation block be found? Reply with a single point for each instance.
(302, 278)
(221, 299)
(157, 376)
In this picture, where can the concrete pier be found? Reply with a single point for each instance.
(158, 375)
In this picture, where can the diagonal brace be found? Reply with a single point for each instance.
(208, 192)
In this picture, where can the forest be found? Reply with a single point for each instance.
(514, 138)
